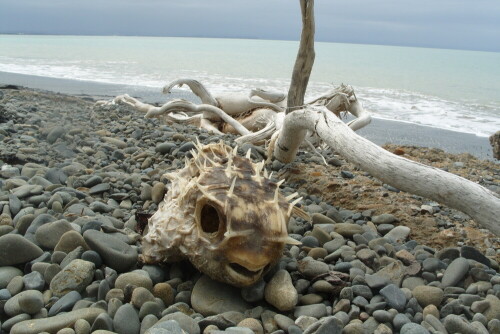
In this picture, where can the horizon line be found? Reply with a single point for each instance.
(246, 38)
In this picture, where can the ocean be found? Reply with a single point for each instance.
(448, 89)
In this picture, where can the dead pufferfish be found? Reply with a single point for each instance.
(223, 213)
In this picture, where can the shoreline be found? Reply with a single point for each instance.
(380, 131)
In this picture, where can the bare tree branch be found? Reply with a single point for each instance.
(304, 60)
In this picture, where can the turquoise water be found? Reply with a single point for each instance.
(451, 89)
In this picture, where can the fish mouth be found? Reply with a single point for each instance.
(244, 275)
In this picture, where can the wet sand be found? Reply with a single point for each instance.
(379, 131)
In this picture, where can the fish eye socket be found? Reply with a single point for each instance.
(209, 219)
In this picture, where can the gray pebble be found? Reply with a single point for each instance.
(17, 250)
(75, 276)
(126, 320)
(455, 272)
(65, 303)
(30, 301)
(385, 218)
(92, 256)
(316, 310)
(114, 252)
(394, 297)
(165, 327)
(457, 324)
(103, 322)
(147, 322)
(34, 281)
(362, 290)
(9, 323)
(150, 307)
(187, 323)
(7, 273)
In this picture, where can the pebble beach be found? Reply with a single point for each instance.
(76, 182)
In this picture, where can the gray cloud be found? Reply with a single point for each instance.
(446, 23)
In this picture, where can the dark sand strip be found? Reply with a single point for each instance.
(379, 131)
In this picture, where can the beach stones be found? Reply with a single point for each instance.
(385, 218)
(7, 273)
(54, 134)
(428, 295)
(65, 303)
(17, 250)
(69, 241)
(455, 272)
(76, 276)
(280, 291)
(126, 320)
(115, 253)
(29, 301)
(394, 297)
(210, 297)
(312, 268)
(81, 212)
(135, 279)
(48, 235)
(54, 324)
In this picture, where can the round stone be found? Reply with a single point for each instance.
(15, 285)
(309, 241)
(412, 328)
(455, 272)
(165, 292)
(156, 273)
(152, 307)
(312, 268)
(457, 324)
(93, 257)
(65, 303)
(133, 278)
(385, 218)
(7, 273)
(30, 301)
(188, 324)
(253, 324)
(428, 295)
(115, 253)
(315, 310)
(318, 253)
(210, 297)
(54, 134)
(164, 148)
(158, 192)
(34, 281)
(398, 234)
(430, 309)
(280, 291)
(17, 250)
(348, 230)
(394, 297)
(50, 272)
(69, 241)
(48, 235)
(75, 276)
(141, 295)
(126, 320)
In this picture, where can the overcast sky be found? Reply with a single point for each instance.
(457, 24)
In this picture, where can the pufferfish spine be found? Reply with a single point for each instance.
(223, 213)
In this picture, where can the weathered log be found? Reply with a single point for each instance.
(446, 188)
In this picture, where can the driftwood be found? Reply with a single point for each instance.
(261, 115)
